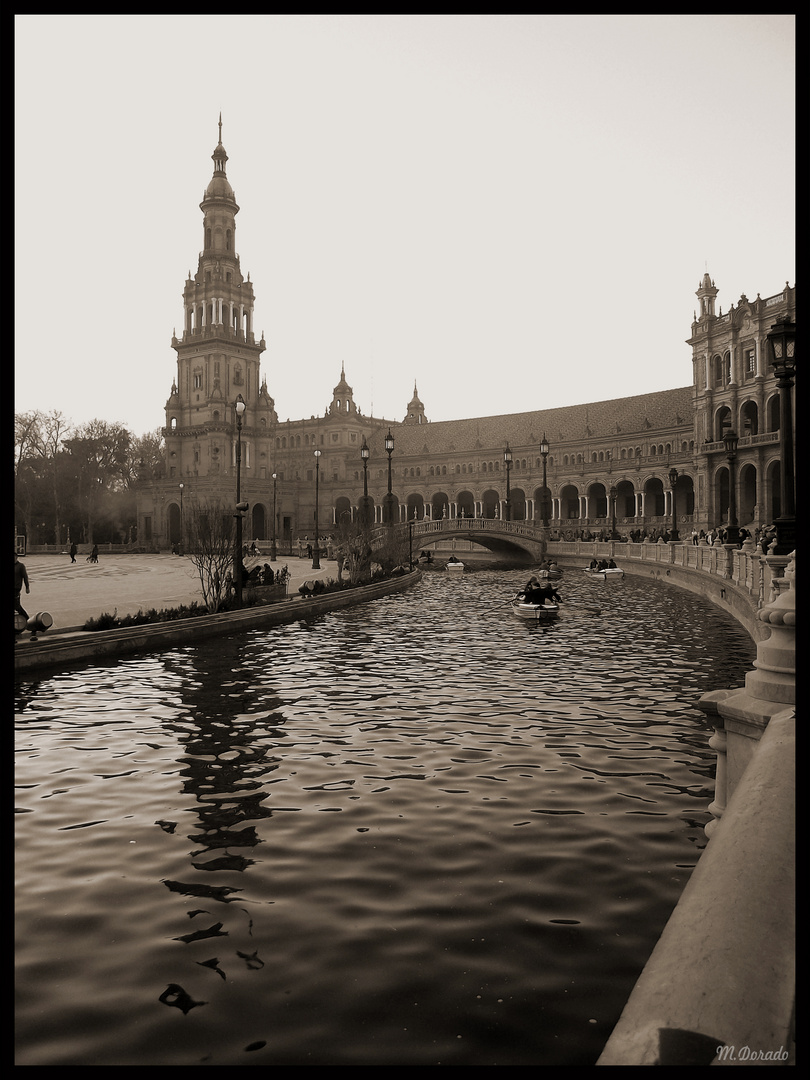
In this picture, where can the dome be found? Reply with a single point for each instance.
(219, 188)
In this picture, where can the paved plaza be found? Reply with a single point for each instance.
(72, 593)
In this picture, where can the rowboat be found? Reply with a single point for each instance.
(610, 572)
(534, 612)
(455, 567)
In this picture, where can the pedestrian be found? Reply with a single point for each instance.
(73, 552)
(93, 556)
(20, 579)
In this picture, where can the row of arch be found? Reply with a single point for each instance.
(652, 500)
(746, 421)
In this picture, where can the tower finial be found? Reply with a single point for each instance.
(220, 128)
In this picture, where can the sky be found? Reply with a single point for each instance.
(509, 212)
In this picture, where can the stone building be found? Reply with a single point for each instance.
(608, 464)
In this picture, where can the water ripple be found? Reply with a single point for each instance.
(413, 833)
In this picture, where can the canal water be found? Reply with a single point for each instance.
(417, 832)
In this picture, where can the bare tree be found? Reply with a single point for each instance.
(352, 545)
(54, 429)
(210, 539)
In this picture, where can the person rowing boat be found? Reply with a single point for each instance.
(535, 593)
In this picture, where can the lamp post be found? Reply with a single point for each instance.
(613, 494)
(273, 543)
(389, 499)
(673, 480)
(181, 486)
(544, 455)
(410, 540)
(316, 562)
(364, 514)
(239, 408)
(507, 460)
(782, 346)
(730, 441)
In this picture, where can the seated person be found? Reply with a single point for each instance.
(535, 593)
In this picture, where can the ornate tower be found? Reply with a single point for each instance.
(706, 294)
(342, 398)
(218, 357)
(416, 410)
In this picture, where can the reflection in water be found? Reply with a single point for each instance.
(414, 833)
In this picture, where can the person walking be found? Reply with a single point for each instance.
(20, 579)
(73, 552)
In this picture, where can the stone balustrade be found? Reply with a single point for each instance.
(719, 987)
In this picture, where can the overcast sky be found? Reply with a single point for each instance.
(512, 212)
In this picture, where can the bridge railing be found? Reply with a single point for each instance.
(473, 525)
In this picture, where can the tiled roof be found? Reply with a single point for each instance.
(622, 418)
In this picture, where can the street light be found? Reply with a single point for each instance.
(181, 486)
(507, 460)
(782, 346)
(364, 514)
(544, 455)
(730, 441)
(239, 408)
(673, 480)
(389, 499)
(613, 495)
(273, 545)
(316, 563)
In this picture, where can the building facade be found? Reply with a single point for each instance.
(608, 465)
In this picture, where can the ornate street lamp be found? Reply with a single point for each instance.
(273, 544)
(782, 346)
(544, 500)
(239, 408)
(316, 563)
(181, 486)
(507, 460)
(389, 499)
(730, 441)
(613, 496)
(673, 480)
(364, 514)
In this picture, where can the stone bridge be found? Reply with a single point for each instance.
(501, 537)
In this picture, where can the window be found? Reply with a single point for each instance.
(197, 380)
(750, 363)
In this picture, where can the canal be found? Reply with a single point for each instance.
(413, 833)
